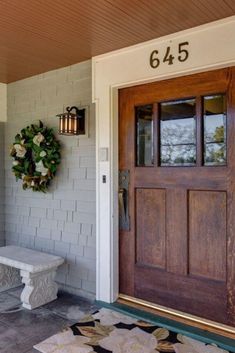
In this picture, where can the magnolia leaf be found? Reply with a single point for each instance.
(161, 333)
(96, 332)
(94, 341)
(53, 169)
(165, 346)
(17, 138)
(88, 331)
(181, 338)
(144, 324)
(103, 330)
(18, 168)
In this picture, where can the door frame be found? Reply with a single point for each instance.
(124, 68)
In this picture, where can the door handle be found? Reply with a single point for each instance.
(123, 200)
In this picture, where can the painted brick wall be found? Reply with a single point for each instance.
(2, 184)
(63, 220)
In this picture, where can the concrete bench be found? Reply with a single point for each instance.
(37, 270)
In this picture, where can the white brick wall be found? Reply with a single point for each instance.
(62, 221)
(2, 184)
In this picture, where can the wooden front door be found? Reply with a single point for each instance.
(177, 140)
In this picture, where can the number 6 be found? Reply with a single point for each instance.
(185, 52)
(154, 61)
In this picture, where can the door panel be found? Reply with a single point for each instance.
(176, 223)
(198, 297)
(176, 137)
(151, 227)
(207, 234)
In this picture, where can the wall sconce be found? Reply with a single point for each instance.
(72, 124)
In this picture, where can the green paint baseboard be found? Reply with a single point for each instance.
(193, 332)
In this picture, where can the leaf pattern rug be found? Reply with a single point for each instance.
(108, 331)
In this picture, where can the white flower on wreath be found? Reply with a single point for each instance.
(130, 341)
(20, 150)
(14, 163)
(38, 139)
(41, 169)
(110, 318)
(189, 345)
(42, 154)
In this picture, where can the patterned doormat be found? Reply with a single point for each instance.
(108, 331)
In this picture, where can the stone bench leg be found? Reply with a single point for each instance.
(40, 288)
(9, 277)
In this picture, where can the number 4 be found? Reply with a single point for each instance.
(168, 57)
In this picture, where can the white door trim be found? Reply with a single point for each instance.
(211, 46)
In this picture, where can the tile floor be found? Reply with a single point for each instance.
(21, 329)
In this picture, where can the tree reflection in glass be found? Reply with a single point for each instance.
(215, 130)
(178, 133)
(144, 120)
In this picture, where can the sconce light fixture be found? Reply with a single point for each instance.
(72, 123)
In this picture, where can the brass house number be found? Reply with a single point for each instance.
(170, 56)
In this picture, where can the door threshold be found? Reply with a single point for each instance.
(178, 316)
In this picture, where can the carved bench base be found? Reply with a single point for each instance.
(9, 277)
(40, 288)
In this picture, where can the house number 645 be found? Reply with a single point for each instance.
(169, 58)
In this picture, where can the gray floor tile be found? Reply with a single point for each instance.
(21, 329)
(11, 341)
(71, 307)
(7, 301)
(6, 335)
(24, 346)
(39, 322)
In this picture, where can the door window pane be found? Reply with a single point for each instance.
(215, 130)
(178, 133)
(144, 138)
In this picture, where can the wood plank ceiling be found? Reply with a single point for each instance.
(41, 35)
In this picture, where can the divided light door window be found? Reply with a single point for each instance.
(184, 132)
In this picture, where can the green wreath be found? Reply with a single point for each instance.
(36, 156)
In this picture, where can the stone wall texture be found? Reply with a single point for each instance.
(62, 221)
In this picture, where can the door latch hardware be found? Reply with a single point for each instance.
(123, 200)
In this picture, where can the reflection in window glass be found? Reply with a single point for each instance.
(215, 130)
(144, 139)
(178, 133)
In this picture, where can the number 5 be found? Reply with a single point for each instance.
(184, 53)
